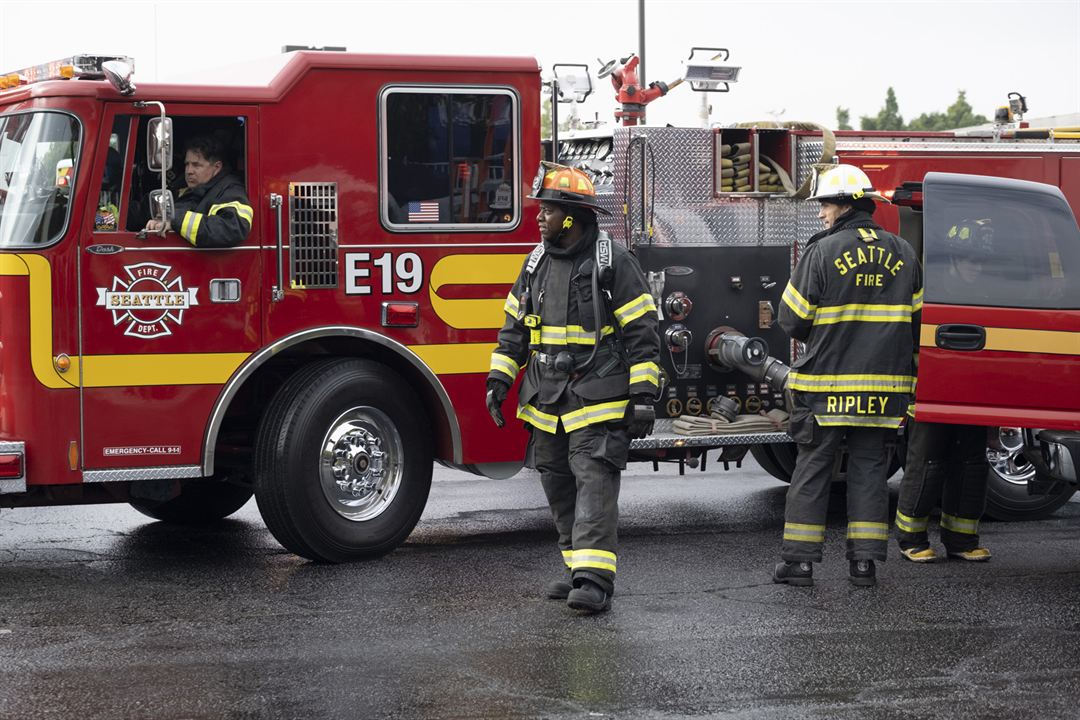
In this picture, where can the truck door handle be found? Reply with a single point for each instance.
(960, 337)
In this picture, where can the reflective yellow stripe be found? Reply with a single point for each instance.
(798, 304)
(539, 420)
(802, 532)
(571, 335)
(858, 420)
(189, 227)
(597, 559)
(862, 313)
(851, 383)
(634, 309)
(858, 530)
(592, 414)
(917, 301)
(567, 557)
(505, 365)
(959, 524)
(911, 524)
(645, 372)
(512, 306)
(244, 211)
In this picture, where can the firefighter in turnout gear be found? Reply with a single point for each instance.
(213, 211)
(855, 300)
(947, 464)
(582, 323)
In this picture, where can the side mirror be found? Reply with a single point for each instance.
(162, 207)
(119, 74)
(159, 144)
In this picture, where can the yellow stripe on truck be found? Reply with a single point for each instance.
(478, 269)
(1048, 342)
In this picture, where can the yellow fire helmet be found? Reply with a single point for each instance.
(564, 185)
(842, 182)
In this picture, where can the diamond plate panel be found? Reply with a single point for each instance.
(663, 437)
(170, 472)
(809, 153)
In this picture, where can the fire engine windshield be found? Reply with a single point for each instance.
(37, 171)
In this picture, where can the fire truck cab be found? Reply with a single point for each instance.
(322, 363)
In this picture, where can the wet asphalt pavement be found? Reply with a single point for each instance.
(105, 614)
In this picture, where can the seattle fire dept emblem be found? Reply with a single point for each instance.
(147, 300)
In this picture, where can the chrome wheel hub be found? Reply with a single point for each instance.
(1007, 457)
(361, 463)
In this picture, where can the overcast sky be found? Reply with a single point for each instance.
(800, 59)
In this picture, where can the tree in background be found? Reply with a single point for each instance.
(843, 118)
(888, 118)
(958, 115)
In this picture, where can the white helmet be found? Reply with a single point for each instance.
(842, 182)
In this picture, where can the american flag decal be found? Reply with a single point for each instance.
(427, 211)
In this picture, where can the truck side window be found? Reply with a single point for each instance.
(449, 158)
(1001, 248)
(228, 131)
(107, 214)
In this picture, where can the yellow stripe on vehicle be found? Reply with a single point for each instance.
(473, 269)
(1044, 342)
(456, 358)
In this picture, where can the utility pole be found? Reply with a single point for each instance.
(641, 44)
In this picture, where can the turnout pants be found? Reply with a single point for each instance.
(946, 464)
(580, 472)
(867, 494)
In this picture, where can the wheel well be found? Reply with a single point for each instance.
(235, 438)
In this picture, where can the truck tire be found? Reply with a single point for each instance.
(343, 461)
(776, 459)
(200, 502)
(1007, 497)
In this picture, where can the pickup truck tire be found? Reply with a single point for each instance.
(200, 502)
(343, 461)
(1007, 496)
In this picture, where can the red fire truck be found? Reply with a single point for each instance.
(324, 363)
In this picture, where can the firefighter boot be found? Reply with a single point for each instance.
(862, 573)
(557, 589)
(589, 598)
(925, 554)
(794, 573)
(979, 554)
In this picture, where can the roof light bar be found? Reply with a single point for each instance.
(76, 66)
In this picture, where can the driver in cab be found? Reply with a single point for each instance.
(213, 211)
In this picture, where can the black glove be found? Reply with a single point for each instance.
(640, 416)
(496, 396)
